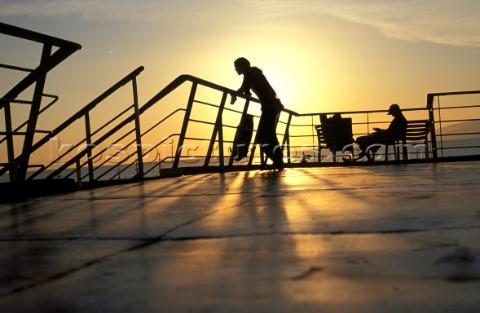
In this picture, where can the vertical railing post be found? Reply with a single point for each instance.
(217, 130)
(138, 133)
(221, 152)
(186, 119)
(41, 77)
(78, 172)
(431, 121)
(88, 139)
(368, 123)
(13, 169)
(286, 137)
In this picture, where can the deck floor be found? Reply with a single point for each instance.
(397, 238)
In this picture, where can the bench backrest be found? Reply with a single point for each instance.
(417, 130)
(321, 138)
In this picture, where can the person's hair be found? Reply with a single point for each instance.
(242, 63)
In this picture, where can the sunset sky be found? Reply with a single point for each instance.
(319, 55)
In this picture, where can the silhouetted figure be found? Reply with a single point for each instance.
(396, 131)
(253, 79)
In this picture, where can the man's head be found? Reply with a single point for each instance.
(394, 110)
(241, 64)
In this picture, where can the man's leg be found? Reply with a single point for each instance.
(268, 138)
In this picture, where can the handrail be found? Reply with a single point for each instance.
(180, 80)
(35, 36)
(454, 93)
(349, 112)
(79, 143)
(177, 82)
(89, 106)
(160, 95)
(83, 113)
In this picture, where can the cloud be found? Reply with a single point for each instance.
(438, 21)
(104, 10)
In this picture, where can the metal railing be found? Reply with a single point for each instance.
(296, 133)
(88, 162)
(53, 52)
(85, 147)
(302, 139)
(199, 142)
(456, 123)
(187, 127)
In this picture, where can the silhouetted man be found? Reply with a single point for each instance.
(396, 131)
(253, 79)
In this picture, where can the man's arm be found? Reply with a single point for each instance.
(243, 90)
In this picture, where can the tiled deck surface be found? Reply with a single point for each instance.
(402, 238)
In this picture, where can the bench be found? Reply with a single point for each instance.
(416, 134)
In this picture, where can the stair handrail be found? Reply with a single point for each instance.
(90, 106)
(82, 113)
(177, 82)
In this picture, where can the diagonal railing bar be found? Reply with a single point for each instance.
(133, 141)
(27, 34)
(118, 140)
(113, 120)
(47, 106)
(75, 146)
(100, 153)
(81, 114)
(89, 107)
(164, 92)
(125, 167)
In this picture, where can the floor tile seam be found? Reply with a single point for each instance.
(309, 233)
(99, 198)
(164, 237)
(383, 187)
(66, 239)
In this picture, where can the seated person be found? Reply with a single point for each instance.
(396, 131)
